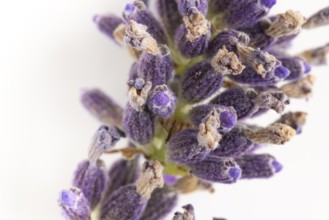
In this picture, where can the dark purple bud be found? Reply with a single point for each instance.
(157, 68)
(128, 202)
(169, 15)
(187, 215)
(227, 115)
(319, 19)
(200, 82)
(296, 120)
(233, 144)
(108, 24)
(162, 101)
(184, 6)
(246, 13)
(192, 37)
(282, 72)
(183, 147)
(138, 12)
(217, 169)
(121, 173)
(101, 106)
(219, 5)
(91, 178)
(296, 66)
(104, 139)
(74, 204)
(138, 125)
(228, 39)
(258, 166)
(268, 3)
(160, 204)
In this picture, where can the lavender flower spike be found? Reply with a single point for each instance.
(91, 178)
(104, 139)
(129, 202)
(187, 215)
(162, 201)
(217, 169)
(162, 101)
(258, 166)
(319, 19)
(192, 37)
(74, 204)
(200, 82)
(102, 107)
(185, 6)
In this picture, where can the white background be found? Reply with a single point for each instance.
(49, 50)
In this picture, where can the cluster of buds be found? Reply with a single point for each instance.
(199, 73)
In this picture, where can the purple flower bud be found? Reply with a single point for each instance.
(192, 37)
(138, 125)
(133, 72)
(169, 179)
(160, 204)
(91, 178)
(104, 139)
(227, 115)
(138, 12)
(187, 215)
(282, 72)
(74, 204)
(168, 11)
(102, 107)
(258, 166)
(184, 6)
(107, 24)
(157, 68)
(229, 39)
(233, 144)
(217, 169)
(246, 13)
(162, 101)
(183, 147)
(128, 202)
(200, 82)
(121, 173)
(297, 67)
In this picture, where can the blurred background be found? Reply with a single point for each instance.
(50, 50)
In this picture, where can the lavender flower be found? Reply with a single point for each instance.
(196, 85)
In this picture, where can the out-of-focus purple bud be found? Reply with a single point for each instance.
(219, 5)
(184, 6)
(169, 179)
(160, 204)
(183, 147)
(258, 166)
(187, 215)
(169, 15)
(200, 82)
(282, 72)
(246, 13)
(320, 18)
(121, 173)
(228, 39)
(91, 178)
(128, 202)
(296, 120)
(157, 68)
(138, 12)
(162, 101)
(107, 24)
(104, 139)
(74, 204)
(227, 115)
(192, 37)
(133, 72)
(138, 125)
(297, 67)
(233, 144)
(217, 169)
(102, 107)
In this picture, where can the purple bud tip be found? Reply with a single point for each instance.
(139, 84)
(277, 166)
(97, 18)
(161, 99)
(228, 119)
(169, 179)
(307, 68)
(129, 8)
(298, 129)
(268, 3)
(281, 72)
(68, 198)
(235, 173)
